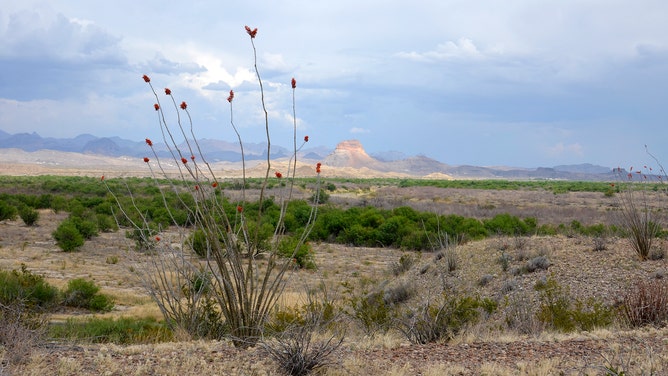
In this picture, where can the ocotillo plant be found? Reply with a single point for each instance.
(639, 218)
(234, 284)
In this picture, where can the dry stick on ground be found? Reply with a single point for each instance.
(242, 274)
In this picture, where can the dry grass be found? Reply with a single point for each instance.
(488, 347)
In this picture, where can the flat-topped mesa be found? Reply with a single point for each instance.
(350, 153)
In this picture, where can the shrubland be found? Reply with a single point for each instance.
(217, 257)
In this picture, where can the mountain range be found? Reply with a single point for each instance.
(348, 158)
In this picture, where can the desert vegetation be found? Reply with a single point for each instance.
(515, 277)
(187, 271)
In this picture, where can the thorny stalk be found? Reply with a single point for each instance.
(240, 273)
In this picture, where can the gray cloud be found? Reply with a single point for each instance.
(547, 82)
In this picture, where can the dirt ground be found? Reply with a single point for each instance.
(485, 349)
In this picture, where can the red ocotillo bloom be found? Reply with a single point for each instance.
(156, 106)
(149, 142)
(146, 79)
(240, 208)
(184, 105)
(167, 91)
(146, 159)
(278, 174)
(231, 96)
(184, 160)
(294, 83)
(250, 32)
(305, 138)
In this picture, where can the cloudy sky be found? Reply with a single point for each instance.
(523, 83)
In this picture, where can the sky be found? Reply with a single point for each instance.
(523, 83)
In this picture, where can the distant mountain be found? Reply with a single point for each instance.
(389, 156)
(351, 154)
(216, 150)
(585, 168)
(349, 157)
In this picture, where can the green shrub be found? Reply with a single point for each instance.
(561, 312)
(26, 287)
(322, 197)
(370, 309)
(506, 224)
(122, 331)
(283, 318)
(28, 215)
(303, 256)
(68, 237)
(105, 223)
(82, 293)
(87, 227)
(7, 211)
(198, 243)
(444, 319)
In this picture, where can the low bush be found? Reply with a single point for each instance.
(405, 263)
(24, 299)
(85, 294)
(303, 256)
(561, 312)
(537, 263)
(520, 314)
(21, 329)
(123, 330)
(26, 287)
(646, 303)
(443, 319)
(506, 224)
(370, 309)
(297, 353)
(7, 211)
(198, 243)
(67, 236)
(28, 215)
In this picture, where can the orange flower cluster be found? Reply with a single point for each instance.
(149, 142)
(146, 159)
(183, 160)
(167, 91)
(278, 174)
(317, 167)
(250, 32)
(231, 96)
(214, 184)
(240, 208)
